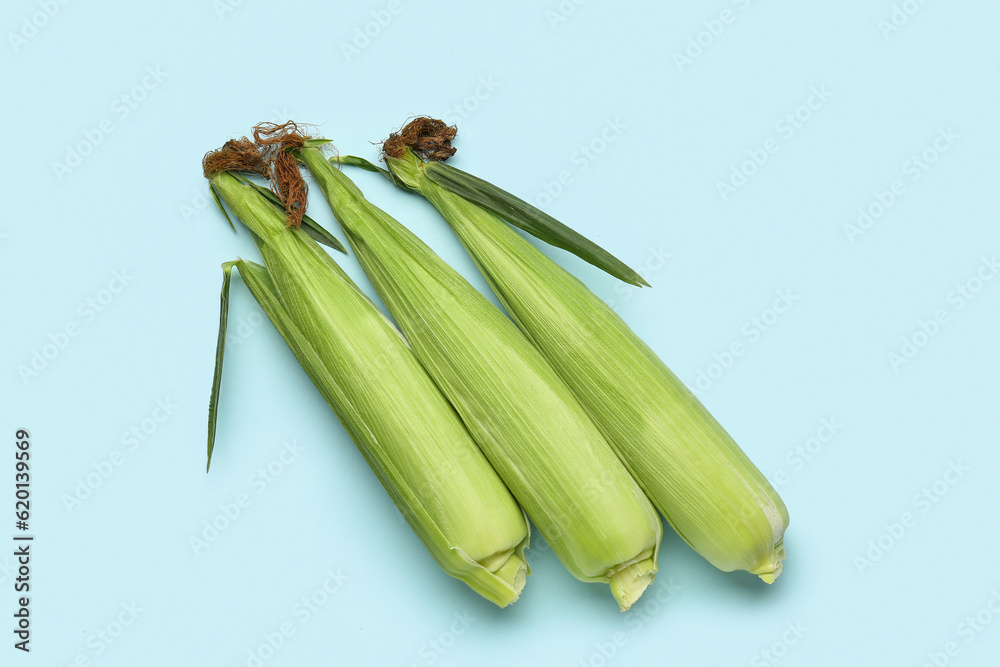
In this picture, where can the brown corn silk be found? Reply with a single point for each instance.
(429, 138)
(268, 156)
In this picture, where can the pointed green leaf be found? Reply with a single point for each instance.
(354, 161)
(360, 162)
(218, 202)
(536, 222)
(315, 230)
(313, 143)
(310, 226)
(220, 350)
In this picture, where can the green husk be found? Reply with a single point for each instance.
(689, 466)
(310, 226)
(514, 210)
(410, 436)
(533, 220)
(534, 431)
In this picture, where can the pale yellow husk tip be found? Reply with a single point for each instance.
(628, 583)
(769, 569)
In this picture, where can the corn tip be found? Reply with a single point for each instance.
(768, 571)
(629, 583)
(514, 573)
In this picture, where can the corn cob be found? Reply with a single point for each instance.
(410, 436)
(537, 435)
(692, 470)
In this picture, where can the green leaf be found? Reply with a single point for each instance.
(354, 161)
(309, 226)
(220, 350)
(523, 215)
(315, 230)
(218, 202)
(313, 143)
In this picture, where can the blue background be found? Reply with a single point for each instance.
(622, 119)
